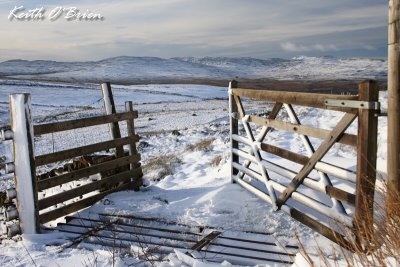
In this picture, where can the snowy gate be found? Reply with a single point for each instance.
(118, 172)
(315, 200)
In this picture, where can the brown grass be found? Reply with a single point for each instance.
(203, 145)
(216, 161)
(376, 244)
(158, 168)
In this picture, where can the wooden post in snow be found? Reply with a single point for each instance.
(393, 142)
(234, 127)
(24, 160)
(109, 106)
(137, 182)
(366, 162)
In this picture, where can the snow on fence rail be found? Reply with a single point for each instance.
(118, 172)
(317, 203)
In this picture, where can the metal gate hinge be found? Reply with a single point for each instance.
(353, 104)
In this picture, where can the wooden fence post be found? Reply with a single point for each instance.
(137, 182)
(24, 160)
(393, 142)
(234, 128)
(366, 162)
(109, 105)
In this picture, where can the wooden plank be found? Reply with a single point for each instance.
(205, 240)
(234, 127)
(86, 172)
(24, 161)
(321, 228)
(130, 124)
(393, 103)
(296, 98)
(341, 195)
(366, 163)
(347, 139)
(81, 123)
(84, 150)
(319, 153)
(109, 106)
(81, 204)
(87, 188)
(289, 155)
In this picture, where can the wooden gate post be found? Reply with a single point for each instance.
(137, 182)
(109, 105)
(366, 162)
(393, 142)
(24, 160)
(234, 128)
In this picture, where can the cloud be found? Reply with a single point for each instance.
(292, 47)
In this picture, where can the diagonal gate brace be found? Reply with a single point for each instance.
(318, 155)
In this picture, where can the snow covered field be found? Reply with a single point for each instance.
(196, 190)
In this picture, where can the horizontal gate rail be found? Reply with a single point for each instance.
(296, 98)
(82, 123)
(85, 189)
(86, 172)
(75, 152)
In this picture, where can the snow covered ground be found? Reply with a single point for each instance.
(196, 189)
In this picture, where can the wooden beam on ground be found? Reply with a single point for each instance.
(343, 124)
(296, 98)
(81, 123)
(79, 151)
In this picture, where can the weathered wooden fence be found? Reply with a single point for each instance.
(316, 202)
(118, 172)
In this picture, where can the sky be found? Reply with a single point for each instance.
(180, 28)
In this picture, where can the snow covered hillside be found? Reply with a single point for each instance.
(134, 69)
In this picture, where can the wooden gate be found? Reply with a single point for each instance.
(35, 203)
(316, 202)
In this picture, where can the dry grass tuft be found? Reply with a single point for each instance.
(381, 243)
(157, 168)
(216, 161)
(203, 145)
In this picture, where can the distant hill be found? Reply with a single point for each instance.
(130, 69)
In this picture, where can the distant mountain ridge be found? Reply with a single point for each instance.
(127, 68)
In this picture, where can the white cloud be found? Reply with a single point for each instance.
(292, 47)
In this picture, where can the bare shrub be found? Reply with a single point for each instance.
(380, 244)
(203, 145)
(158, 168)
(216, 161)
